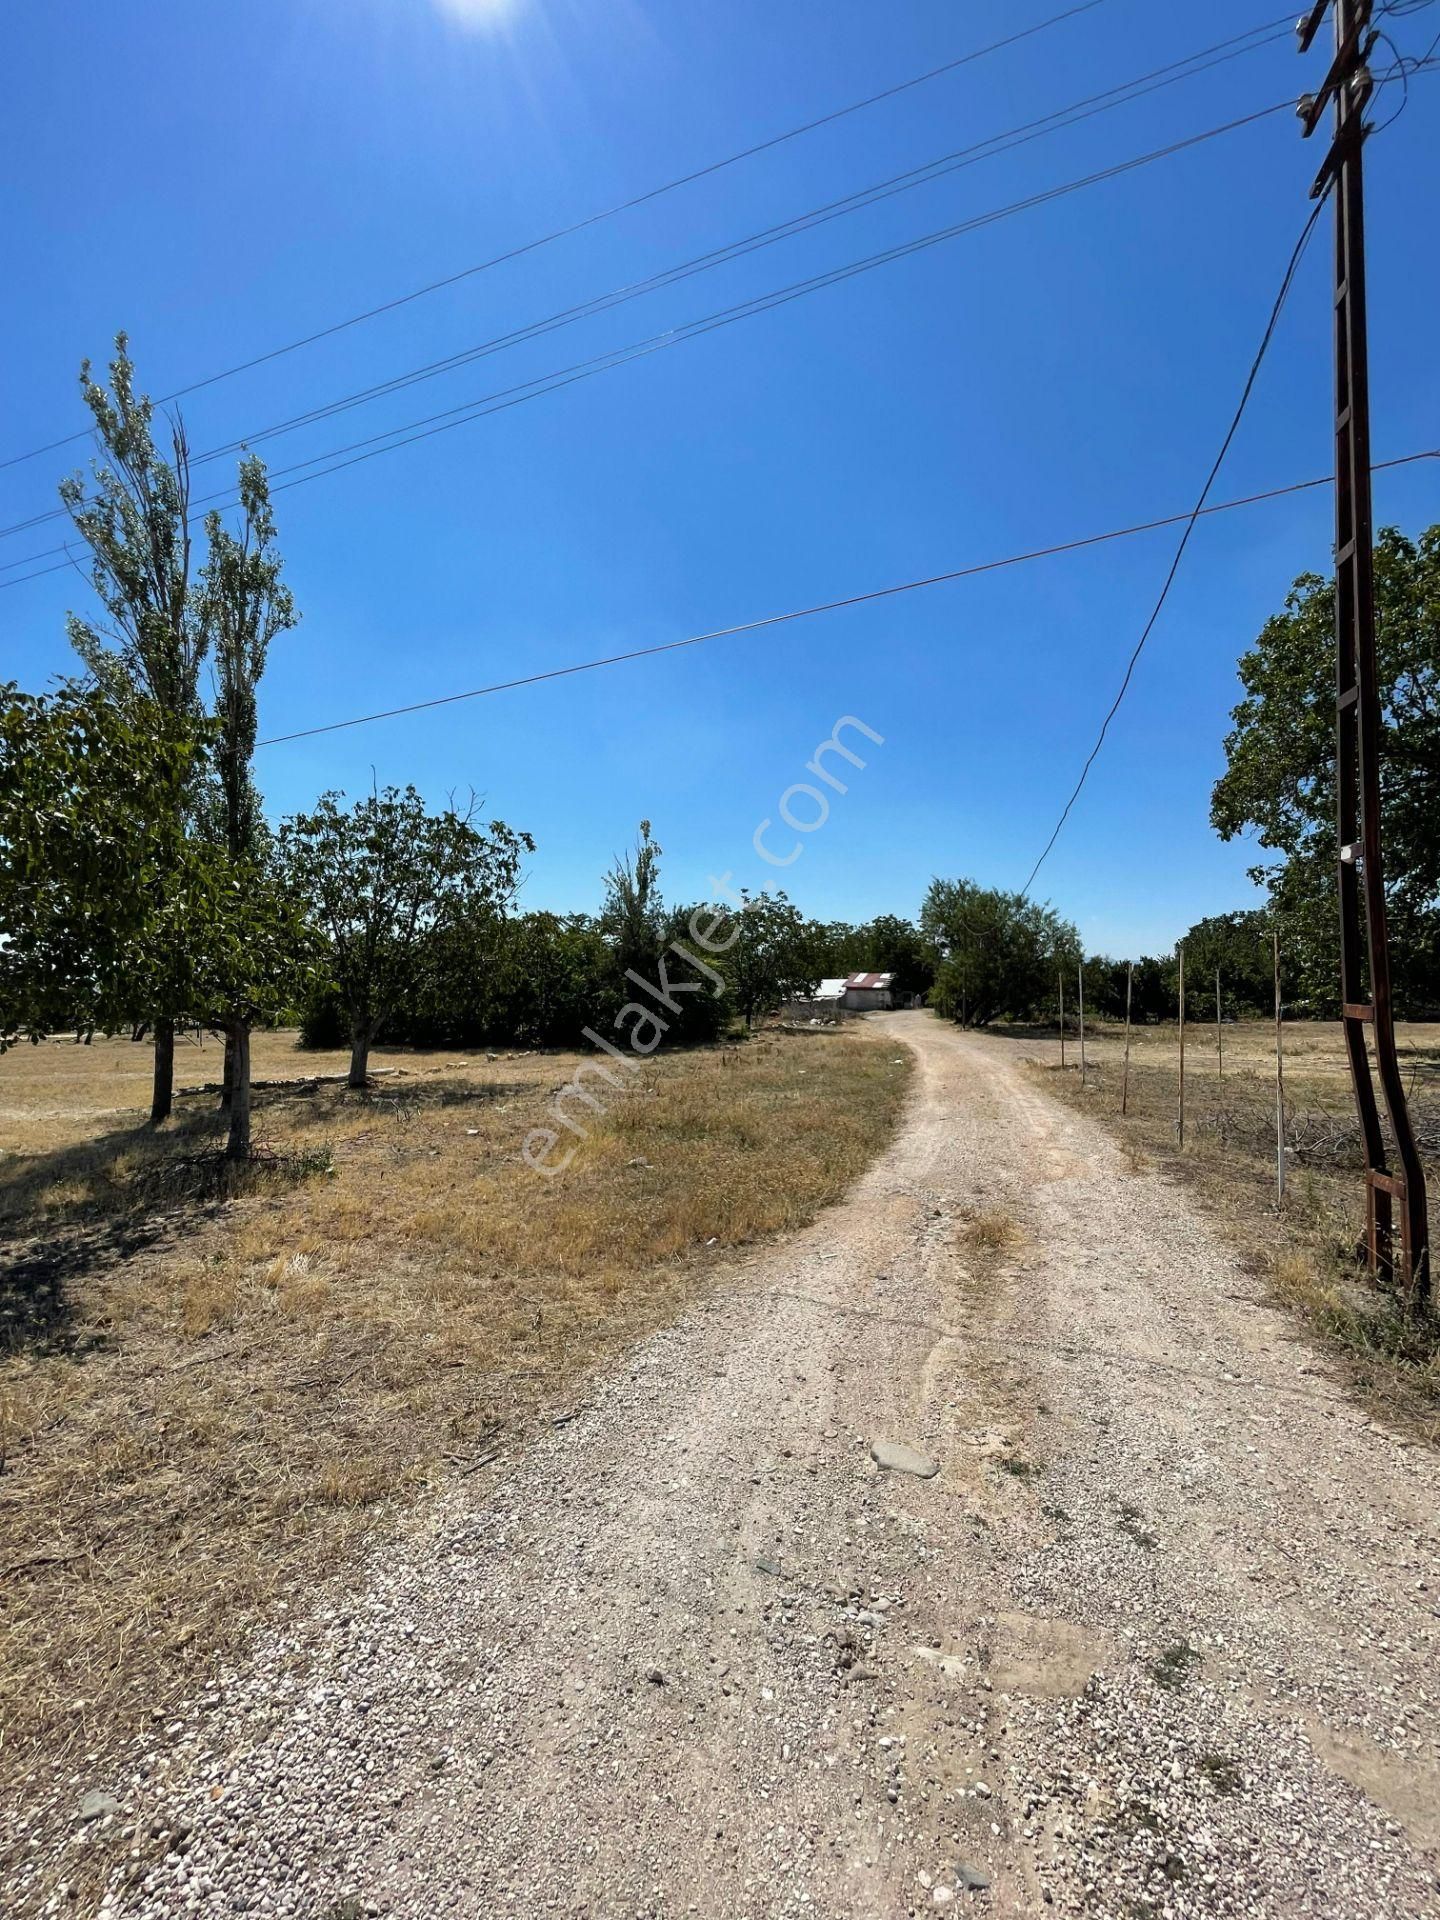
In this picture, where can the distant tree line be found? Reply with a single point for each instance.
(140, 882)
(482, 977)
(141, 885)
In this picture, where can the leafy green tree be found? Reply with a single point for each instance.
(1153, 993)
(90, 839)
(1279, 782)
(106, 901)
(1104, 988)
(633, 914)
(381, 878)
(775, 956)
(554, 975)
(889, 944)
(999, 953)
(134, 515)
(246, 950)
(1239, 946)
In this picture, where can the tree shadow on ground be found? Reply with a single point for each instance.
(71, 1213)
(79, 1209)
(39, 1281)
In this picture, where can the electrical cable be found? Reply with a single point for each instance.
(834, 606)
(393, 438)
(1297, 254)
(590, 220)
(1058, 120)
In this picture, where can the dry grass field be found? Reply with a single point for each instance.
(1305, 1248)
(207, 1399)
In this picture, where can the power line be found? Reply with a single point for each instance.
(834, 606)
(1295, 258)
(593, 219)
(393, 438)
(1190, 66)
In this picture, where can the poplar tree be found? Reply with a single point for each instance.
(245, 605)
(134, 515)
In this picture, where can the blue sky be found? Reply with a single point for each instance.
(220, 181)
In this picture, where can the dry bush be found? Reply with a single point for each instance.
(990, 1232)
(210, 1397)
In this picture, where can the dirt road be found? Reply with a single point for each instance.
(1158, 1636)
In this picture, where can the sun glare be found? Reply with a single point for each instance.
(477, 13)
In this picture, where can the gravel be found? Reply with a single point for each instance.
(1159, 1636)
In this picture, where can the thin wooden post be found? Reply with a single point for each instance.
(1061, 979)
(1125, 1070)
(1279, 1082)
(1081, 971)
(1219, 1036)
(1181, 1121)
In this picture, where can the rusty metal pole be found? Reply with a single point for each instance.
(1364, 936)
(1219, 1034)
(1081, 972)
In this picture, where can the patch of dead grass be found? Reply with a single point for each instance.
(209, 1404)
(989, 1231)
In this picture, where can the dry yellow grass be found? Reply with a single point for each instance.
(990, 1231)
(207, 1402)
(1305, 1249)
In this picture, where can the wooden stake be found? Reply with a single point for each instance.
(1125, 1070)
(1181, 1126)
(1279, 1083)
(1081, 972)
(1219, 1036)
(1062, 1022)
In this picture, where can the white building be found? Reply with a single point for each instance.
(867, 992)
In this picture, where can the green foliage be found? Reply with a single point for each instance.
(775, 955)
(1104, 988)
(108, 906)
(1239, 944)
(133, 515)
(245, 605)
(1279, 782)
(163, 619)
(999, 953)
(886, 944)
(633, 915)
(387, 883)
(89, 833)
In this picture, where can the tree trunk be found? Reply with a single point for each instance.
(163, 1094)
(237, 1050)
(359, 1057)
(227, 1078)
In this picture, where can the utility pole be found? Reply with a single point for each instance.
(1364, 939)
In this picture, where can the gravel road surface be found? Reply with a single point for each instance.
(1152, 1629)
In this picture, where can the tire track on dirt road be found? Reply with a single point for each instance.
(1157, 1637)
